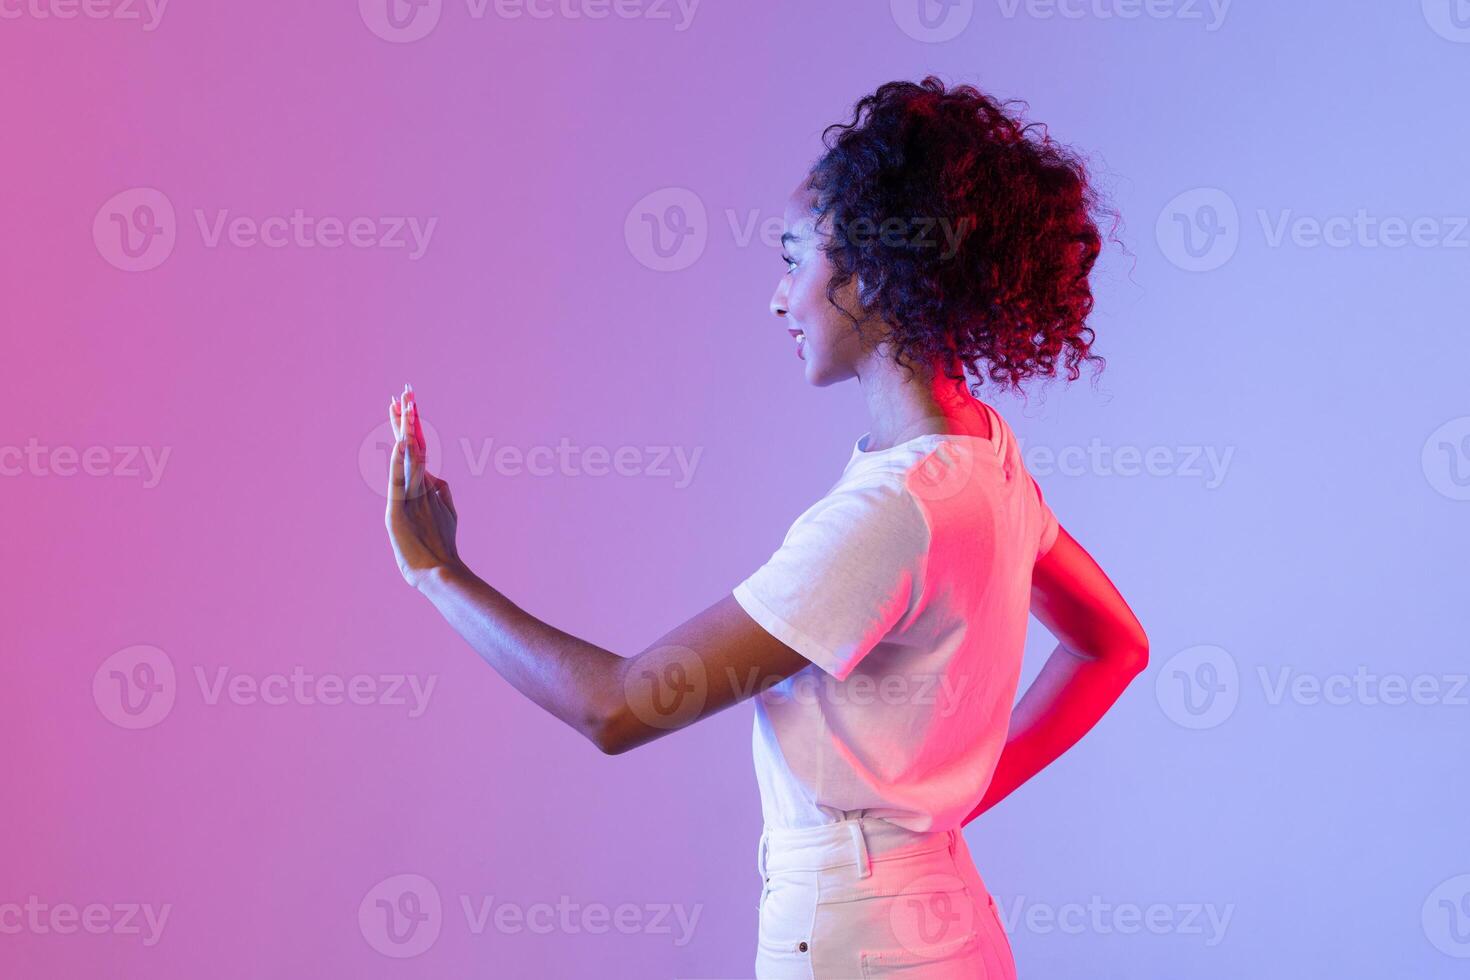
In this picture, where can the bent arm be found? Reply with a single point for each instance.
(719, 657)
(1101, 648)
(569, 677)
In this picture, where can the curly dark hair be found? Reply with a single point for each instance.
(971, 232)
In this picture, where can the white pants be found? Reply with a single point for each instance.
(865, 898)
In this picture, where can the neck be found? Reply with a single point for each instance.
(902, 406)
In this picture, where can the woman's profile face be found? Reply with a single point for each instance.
(828, 343)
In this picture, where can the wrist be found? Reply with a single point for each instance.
(441, 578)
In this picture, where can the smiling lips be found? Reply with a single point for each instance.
(800, 343)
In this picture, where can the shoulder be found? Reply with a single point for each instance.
(875, 508)
(937, 478)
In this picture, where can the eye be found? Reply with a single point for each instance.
(788, 260)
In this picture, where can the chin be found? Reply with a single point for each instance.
(820, 375)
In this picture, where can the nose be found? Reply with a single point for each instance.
(778, 299)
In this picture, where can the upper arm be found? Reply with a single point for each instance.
(846, 573)
(1074, 599)
(719, 657)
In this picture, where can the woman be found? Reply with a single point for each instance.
(882, 641)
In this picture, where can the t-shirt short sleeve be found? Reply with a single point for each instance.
(1049, 525)
(848, 570)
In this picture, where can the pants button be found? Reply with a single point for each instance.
(801, 946)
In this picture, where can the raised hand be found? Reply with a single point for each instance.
(421, 518)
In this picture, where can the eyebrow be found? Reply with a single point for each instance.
(789, 237)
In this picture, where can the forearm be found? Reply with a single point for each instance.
(1067, 698)
(574, 680)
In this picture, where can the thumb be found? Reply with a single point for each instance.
(396, 490)
(443, 487)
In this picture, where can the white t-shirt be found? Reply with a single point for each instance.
(908, 588)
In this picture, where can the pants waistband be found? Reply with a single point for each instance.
(852, 841)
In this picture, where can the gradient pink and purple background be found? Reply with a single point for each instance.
(1274, 468)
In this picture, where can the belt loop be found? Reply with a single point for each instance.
(865, 867)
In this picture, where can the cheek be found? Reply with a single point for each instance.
(810, 307)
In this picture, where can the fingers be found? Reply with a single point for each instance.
(414, 477)
(407, 471)
(416, 430)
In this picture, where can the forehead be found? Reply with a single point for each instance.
(800, 204)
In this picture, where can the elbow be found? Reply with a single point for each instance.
(608, 743)
(1133, 659)
(611, 733)
(606, 716)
